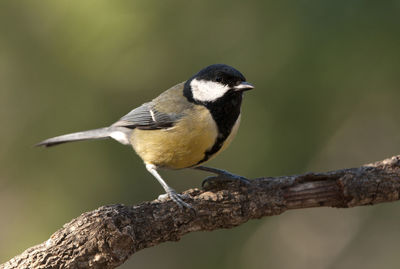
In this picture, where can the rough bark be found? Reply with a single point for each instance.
(109, 235)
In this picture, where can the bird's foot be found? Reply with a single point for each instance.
(222, 177)
(177, 198)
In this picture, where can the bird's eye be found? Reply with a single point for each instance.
(218, 79)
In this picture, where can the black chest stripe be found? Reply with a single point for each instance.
(225, 111)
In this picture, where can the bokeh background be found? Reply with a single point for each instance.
(327, 96)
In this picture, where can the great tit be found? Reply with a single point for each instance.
(183, 127)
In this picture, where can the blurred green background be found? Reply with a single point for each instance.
(327, 97)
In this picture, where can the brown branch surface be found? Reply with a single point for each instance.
(109, 235)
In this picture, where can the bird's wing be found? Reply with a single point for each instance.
(146, 117)
(163, 112)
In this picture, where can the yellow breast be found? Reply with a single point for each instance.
(180, 146)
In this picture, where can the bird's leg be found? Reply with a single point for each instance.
(222, 176)
(170, 191)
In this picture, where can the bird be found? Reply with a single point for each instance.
(183, 127)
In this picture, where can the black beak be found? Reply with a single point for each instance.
(244, 86)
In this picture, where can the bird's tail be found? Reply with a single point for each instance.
(118, 133)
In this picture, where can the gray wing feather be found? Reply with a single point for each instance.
(148, 118)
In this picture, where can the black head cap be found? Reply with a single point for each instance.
(221, 73)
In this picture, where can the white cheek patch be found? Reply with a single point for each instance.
(207, 91)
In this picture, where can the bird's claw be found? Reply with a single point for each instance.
(177, 198)
(223, 178)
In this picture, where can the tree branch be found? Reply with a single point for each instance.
(107, 236)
